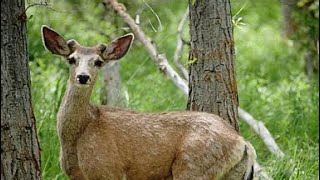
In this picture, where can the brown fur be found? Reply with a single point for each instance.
(99, 142)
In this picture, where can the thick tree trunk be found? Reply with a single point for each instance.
(20, 154)
(212, 82)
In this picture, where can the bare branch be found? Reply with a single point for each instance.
(179, 48)
(160, 59)
(36, 4)
(262, 131)
(162, 62)
(44, 4)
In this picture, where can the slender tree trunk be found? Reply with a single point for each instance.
(212, 82)
(289, 26)
(20, 154)
(294, 29)
(112, 94)
(311, 63)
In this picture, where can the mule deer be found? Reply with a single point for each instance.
(99, 142)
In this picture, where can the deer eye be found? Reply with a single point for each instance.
(98, 63)
(71, 60)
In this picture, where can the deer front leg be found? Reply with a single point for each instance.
(69, 164)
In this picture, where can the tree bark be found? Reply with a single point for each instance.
(112, 94)
(20, 154)
(212, 82)
(289, 26)
(293, 28)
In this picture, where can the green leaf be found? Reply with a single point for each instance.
(191, 61)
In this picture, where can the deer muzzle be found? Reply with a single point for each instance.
(83, 79)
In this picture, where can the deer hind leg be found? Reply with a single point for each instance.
(244, 168)
(188, 168)
(208, 159)
(196, 161)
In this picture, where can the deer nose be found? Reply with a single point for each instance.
(83, 79)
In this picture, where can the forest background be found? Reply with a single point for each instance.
(270, 69)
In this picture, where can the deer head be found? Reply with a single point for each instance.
(85, 61)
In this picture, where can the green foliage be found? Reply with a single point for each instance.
(311, 5)
(271, 82)
(306, 17)
(236, 20)
(306, 34)
(273, 88)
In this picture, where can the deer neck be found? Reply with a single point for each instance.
(75, 112)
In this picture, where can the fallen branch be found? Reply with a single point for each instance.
(180, 43)
(160, 59)
(162, 62)
(262, 131)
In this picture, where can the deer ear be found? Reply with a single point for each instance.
(117, 48)
(72, 44)
(54, 42)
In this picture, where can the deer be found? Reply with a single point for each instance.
(110, 143)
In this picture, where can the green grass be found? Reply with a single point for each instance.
(271, 83)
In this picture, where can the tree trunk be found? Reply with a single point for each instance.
(111, 93)
(20, 154)
(212, 82)
(293, 28)
(311, 64)
(289, 26)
